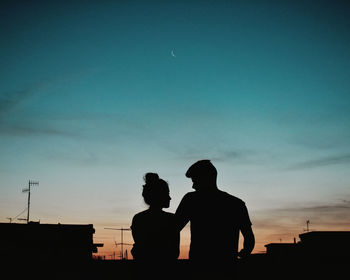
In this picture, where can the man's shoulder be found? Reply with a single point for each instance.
(168, 214)
(189, 198)
(221, 193)
(231, 198)
(190, 194)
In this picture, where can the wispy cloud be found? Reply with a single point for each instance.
(79, 156)
(324, 140)
(13, 123)
(320, 162)
(284, 224)
(30, 129)
(218, 154)
(233, 155)
(323, 216)
(9, 100)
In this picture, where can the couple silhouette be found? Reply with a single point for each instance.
(216, 220)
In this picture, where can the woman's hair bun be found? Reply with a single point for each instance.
(156, 190)
(151, 178)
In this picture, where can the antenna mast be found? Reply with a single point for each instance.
(307, 226)
(121, 236)
(30, 183)
(121, 252)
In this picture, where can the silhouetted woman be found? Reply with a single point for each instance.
(154, 231)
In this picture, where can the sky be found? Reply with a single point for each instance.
(94, 94)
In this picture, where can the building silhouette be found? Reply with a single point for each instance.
(281, 250)
(326, 244)
(313, 246)
(35, 242)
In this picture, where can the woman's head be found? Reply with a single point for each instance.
(155, 191)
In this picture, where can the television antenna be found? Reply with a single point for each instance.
(30, 183)
(121, 237)
(121, 253)
(307, 226)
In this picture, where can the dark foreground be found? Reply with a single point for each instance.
(253, 268)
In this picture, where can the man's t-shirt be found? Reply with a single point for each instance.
(216, 218)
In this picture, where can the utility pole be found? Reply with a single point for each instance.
(30, 183)
(121, 237)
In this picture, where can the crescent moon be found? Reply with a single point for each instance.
(172, 53)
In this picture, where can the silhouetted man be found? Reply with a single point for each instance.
(216, 218)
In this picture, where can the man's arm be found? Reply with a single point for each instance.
(249, 241)
(247, 232)
(182, 213)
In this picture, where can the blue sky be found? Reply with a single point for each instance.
(91, 99)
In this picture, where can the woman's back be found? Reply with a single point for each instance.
(155, 235)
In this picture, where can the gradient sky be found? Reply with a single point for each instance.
(91, 99)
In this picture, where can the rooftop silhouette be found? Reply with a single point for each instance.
(48, 242)
(63, 251)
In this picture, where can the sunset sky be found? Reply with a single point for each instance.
(94, 94)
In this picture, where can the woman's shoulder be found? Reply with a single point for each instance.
(141, 215)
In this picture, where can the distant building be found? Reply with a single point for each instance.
(313, 245)
(326, 244)
(47, 242)
(281, 250)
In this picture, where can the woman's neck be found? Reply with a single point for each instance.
(155, 208)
